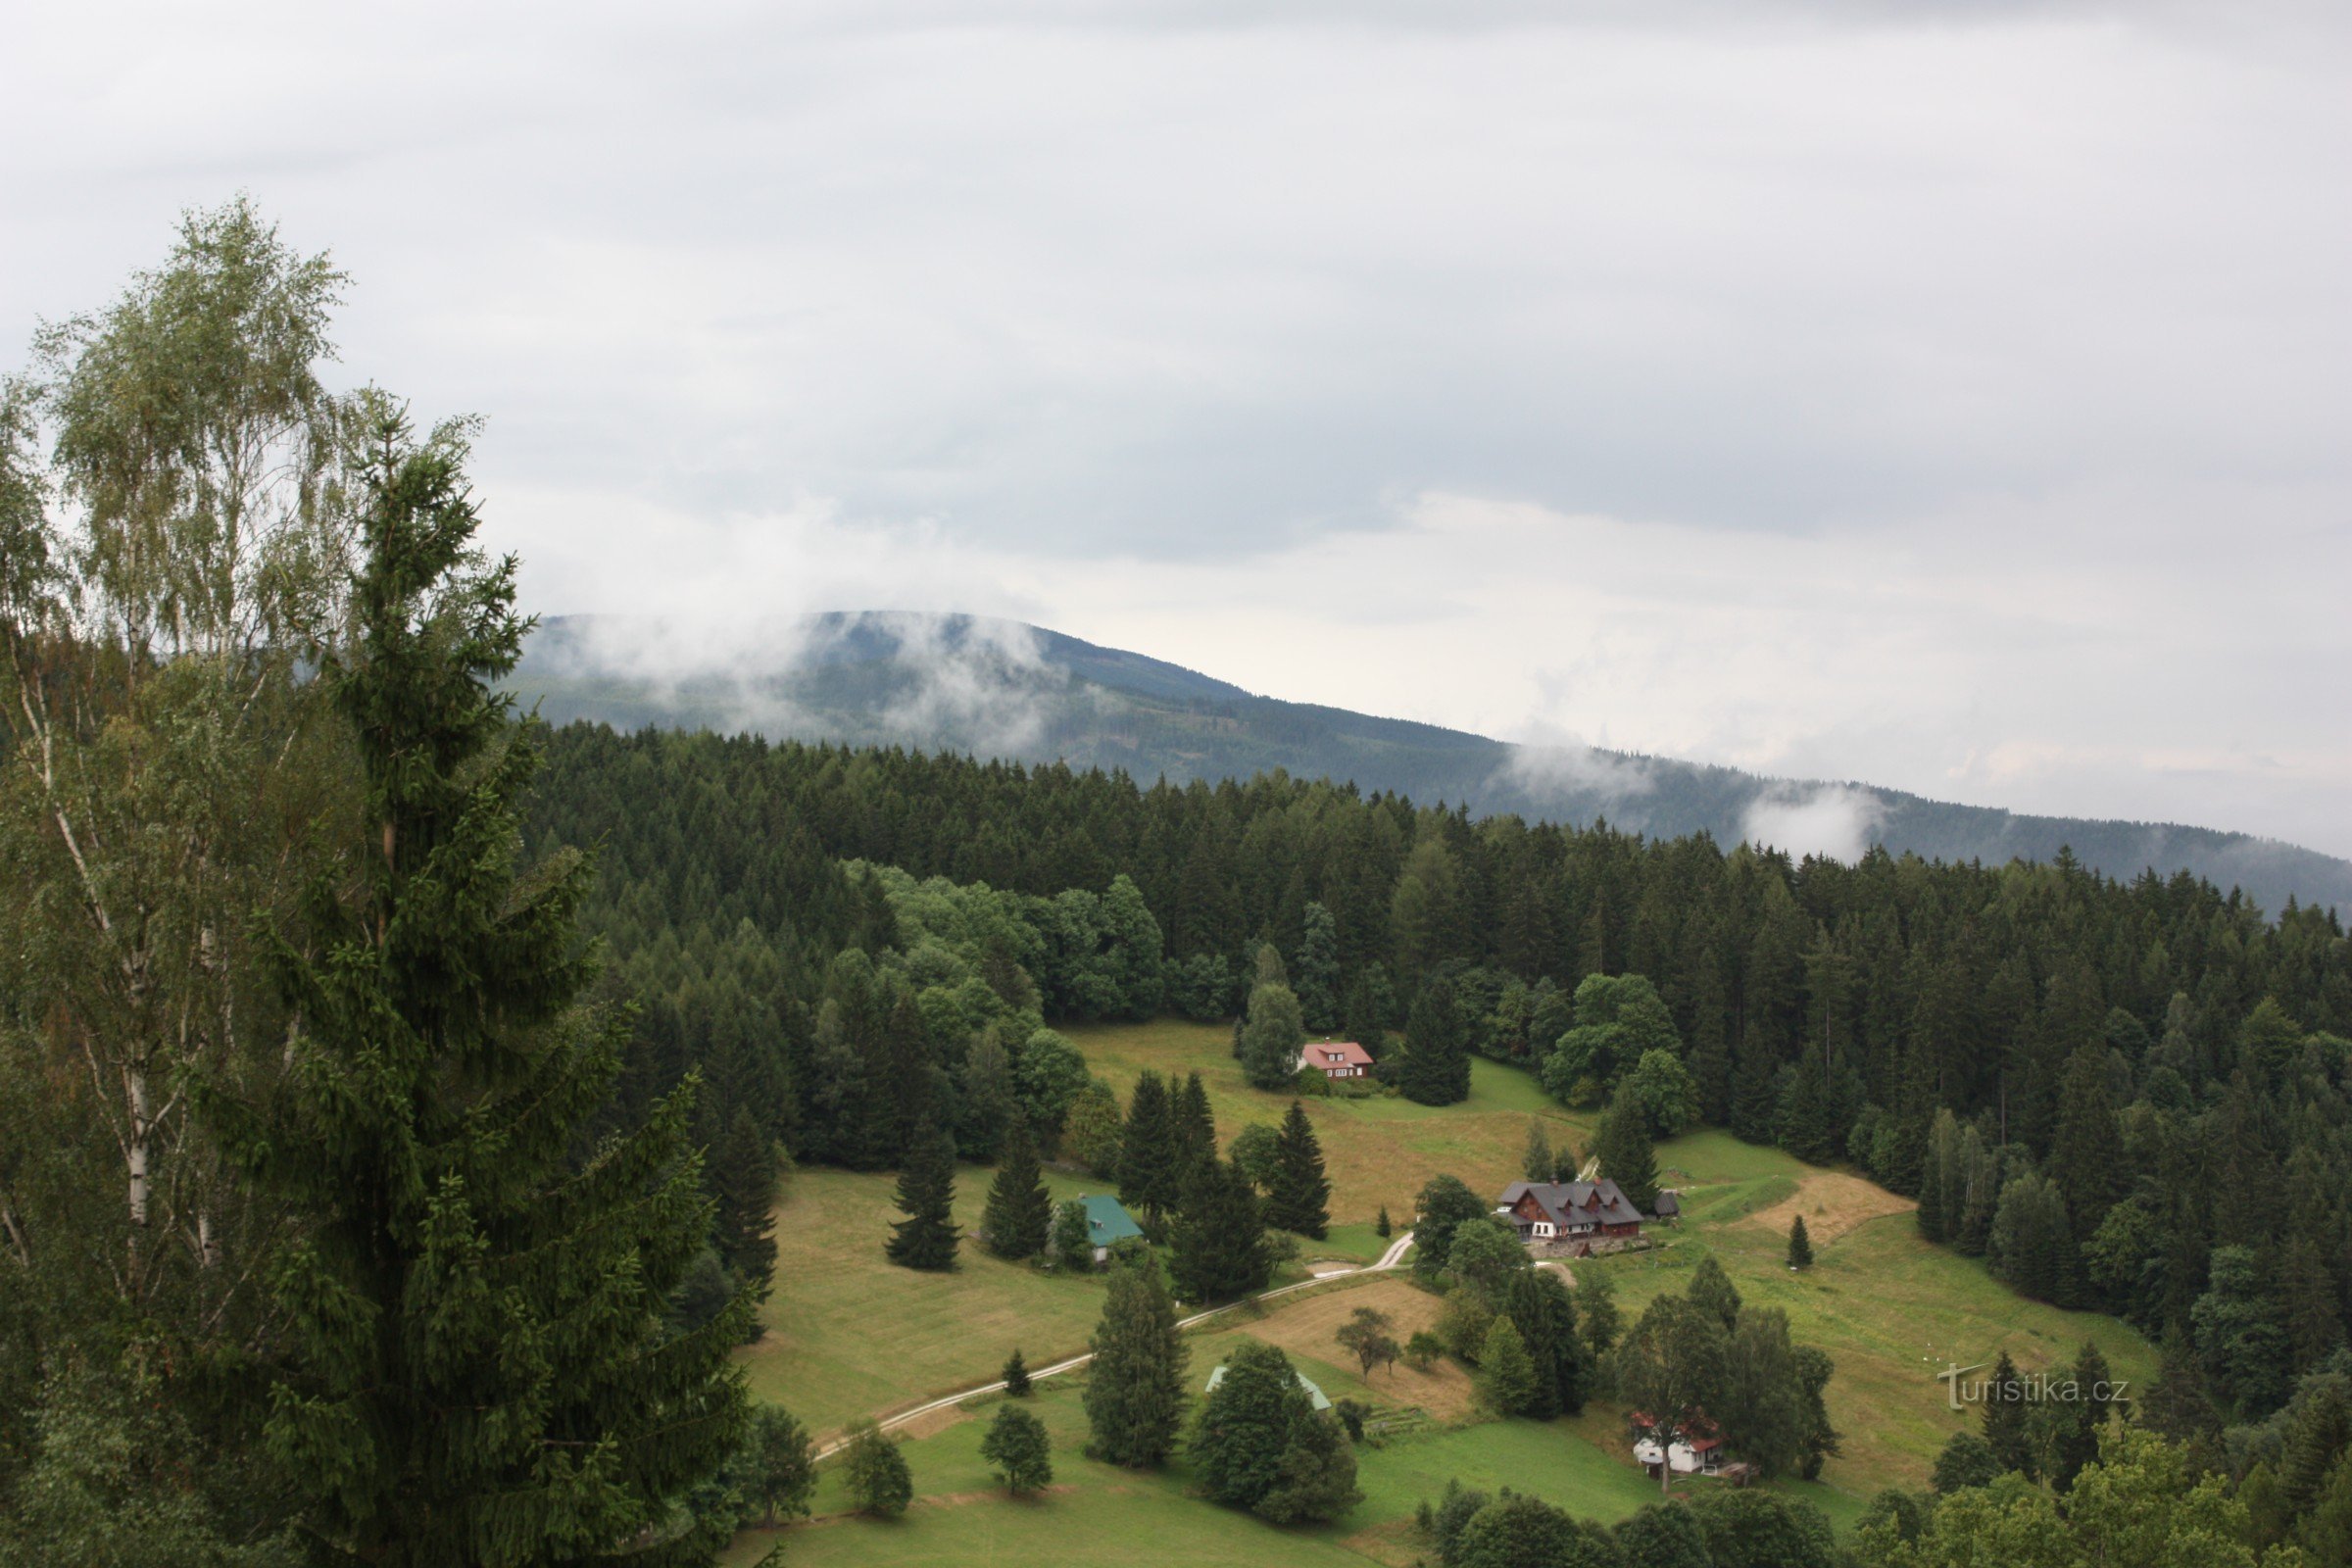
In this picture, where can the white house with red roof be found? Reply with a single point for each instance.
(1337, 1058)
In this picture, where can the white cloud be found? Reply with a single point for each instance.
(1835, 821)
(1949, 398)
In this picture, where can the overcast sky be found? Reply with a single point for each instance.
(1961, 403)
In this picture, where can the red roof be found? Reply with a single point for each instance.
(1338, 1053)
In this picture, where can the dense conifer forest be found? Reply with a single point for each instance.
(2126, 1094)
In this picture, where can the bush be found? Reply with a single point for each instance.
(880, 1483)
(1422, 1350)
(1018, 1450)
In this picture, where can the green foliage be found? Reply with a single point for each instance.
(1150, 1159)
(1619, 1021)
(1436, 1057)
(1483, 1254)
(1539, 1305)
(1135, 1385)
(880, 1484)
(1271, 1038)
(1506, 1377)
(1315, 975)
(1665, 1091)
(1017, 1448)
(1801, 1246)
(1016, 1375)
(927, 1237)
(1073, 1237)
(1217, 1247)
(1520, 1531)
(1019, 1219)
(1626, 1154)
(1366, 1337)
(1298, 1194)
(1257, 1148)
(1260, 1444)
(475, 1357)
(1445, 1204)
(1092, 1131)
(779, 1465)
(1535, 1160)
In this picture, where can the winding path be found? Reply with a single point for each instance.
(1389, 1259)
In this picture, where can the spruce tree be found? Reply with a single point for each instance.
(1801, 1246)
(1299, 1197)
(744, 1228)
(1135, 1386)
(2005, 1423)
(472, 1360)
(1217, 1247)
(1381, 1226)
(1626, 1156)
(1020, 1217)
(1436, 1057)
(1506, 1375)
(1712, 1288)
(1016, 1374)
(1194, 1128)
(1315, 977)
(1362, 1019)
(1537, 1303)
(927, 1237)
(1535, 1160)
(1151, 1167)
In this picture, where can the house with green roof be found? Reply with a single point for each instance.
(1106, 1223)
(1314, 1393)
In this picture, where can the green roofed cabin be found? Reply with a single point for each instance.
(1106, 1222)
(1314, 1395)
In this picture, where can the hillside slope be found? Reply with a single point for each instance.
(1004, 689)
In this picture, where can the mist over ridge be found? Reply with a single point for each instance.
(1006, 688)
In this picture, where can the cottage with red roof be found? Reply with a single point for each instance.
(1337, 1058)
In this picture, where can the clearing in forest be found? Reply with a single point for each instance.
(1833, 1202)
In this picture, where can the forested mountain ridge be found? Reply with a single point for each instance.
(1025, 694)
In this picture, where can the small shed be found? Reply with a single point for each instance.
(1314, 1395)
(1106, 1222)
(1669, 1205)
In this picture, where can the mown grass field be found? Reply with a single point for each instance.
(1891, 1310)
(849, 1335)
(1378, 1150)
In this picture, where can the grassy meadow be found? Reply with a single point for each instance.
(849, 1335)
(1378, 1150)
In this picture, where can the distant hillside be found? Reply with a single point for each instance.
(1003, 689)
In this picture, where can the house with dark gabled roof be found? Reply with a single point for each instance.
(1568, 1211)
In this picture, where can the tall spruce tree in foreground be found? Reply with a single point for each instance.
(1020, 1217)
(476, 1364)
(1436, 1058)
(926, 1238)
(1135, 1387)
(1299, 1199)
